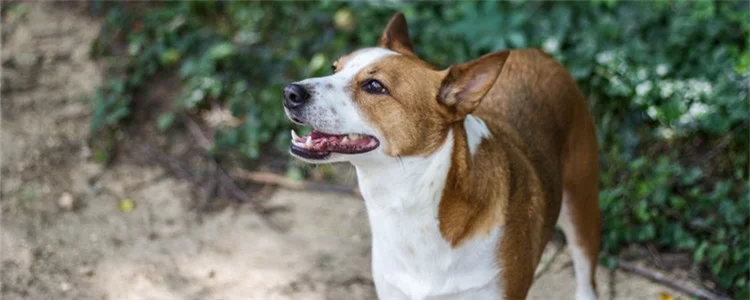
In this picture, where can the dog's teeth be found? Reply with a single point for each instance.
(294, 135)
(353, 137)
(345, 140)
(309, 143)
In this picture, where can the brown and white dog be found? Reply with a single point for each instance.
(464, 171)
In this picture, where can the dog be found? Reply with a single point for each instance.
(465, 171)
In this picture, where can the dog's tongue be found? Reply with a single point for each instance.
(321, 142)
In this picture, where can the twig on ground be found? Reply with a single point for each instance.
(279, 180)
(720, 147)
(209, 189)
(198, 134)
(654, 255)
(227, 182)
(548, 264)
(236, 192)
(665, 280)
(171, 164)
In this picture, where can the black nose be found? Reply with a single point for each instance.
(295, 96)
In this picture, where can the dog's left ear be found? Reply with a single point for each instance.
(396, 36)
(465, 84)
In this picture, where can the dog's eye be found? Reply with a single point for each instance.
(333, 68)
(372, 86)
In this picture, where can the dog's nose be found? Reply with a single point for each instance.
(295, 96)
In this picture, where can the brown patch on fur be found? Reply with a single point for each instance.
(498, 186)
(581, 184)
(472, 203)
(412, 87)
(396, 36)
(539, 102)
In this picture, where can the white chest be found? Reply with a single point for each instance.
(410, 258)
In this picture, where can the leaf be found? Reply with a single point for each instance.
(169, 57)
(165, 121)
(692, 176)
(715, 252)
(316, 63)
(700, 253)
(221, 51)
(294, 172)
(641, 212)
(717, 266)
(126, 205)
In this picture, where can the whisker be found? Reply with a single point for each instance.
(401, 162)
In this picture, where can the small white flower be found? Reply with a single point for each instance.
(685, 120)
(662, 69)
(616, 81)
(643, 88)
(695, 111)
(605, 57)
(639, 100)
(197, 95)
(642, 74)
(220, 117)
(698, 109)
(652, 112)
(667, 89)
(703, 87)
(667, 133)
(207, 81)
(551, 45)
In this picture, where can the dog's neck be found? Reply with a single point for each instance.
(404, 183)
(403, 198)
(415, 182)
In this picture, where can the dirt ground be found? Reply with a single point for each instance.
(87, 248)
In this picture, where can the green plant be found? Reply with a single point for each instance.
(666, 82)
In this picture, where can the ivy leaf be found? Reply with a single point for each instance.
(222, 51)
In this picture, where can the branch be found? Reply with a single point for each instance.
(226, 181)
(663, 279)
(279, 180)
(547, 265)
(258, 207)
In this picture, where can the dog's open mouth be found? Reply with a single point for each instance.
(319, 145)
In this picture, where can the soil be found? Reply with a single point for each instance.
(65, 236)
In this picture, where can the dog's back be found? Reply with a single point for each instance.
(538, 99)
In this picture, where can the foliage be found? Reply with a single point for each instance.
(666, 82)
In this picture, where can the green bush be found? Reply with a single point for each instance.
(666, 82)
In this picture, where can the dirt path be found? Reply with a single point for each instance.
(162, 249)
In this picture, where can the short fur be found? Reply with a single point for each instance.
(474, 165)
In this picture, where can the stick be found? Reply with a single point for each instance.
(547, 265)
(227, 182)
(209, 189)
(197, 133)
(279, 180)
(663, 279)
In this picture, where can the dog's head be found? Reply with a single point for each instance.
(385, 102)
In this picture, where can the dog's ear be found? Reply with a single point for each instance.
(465, 84)
(396, 36)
